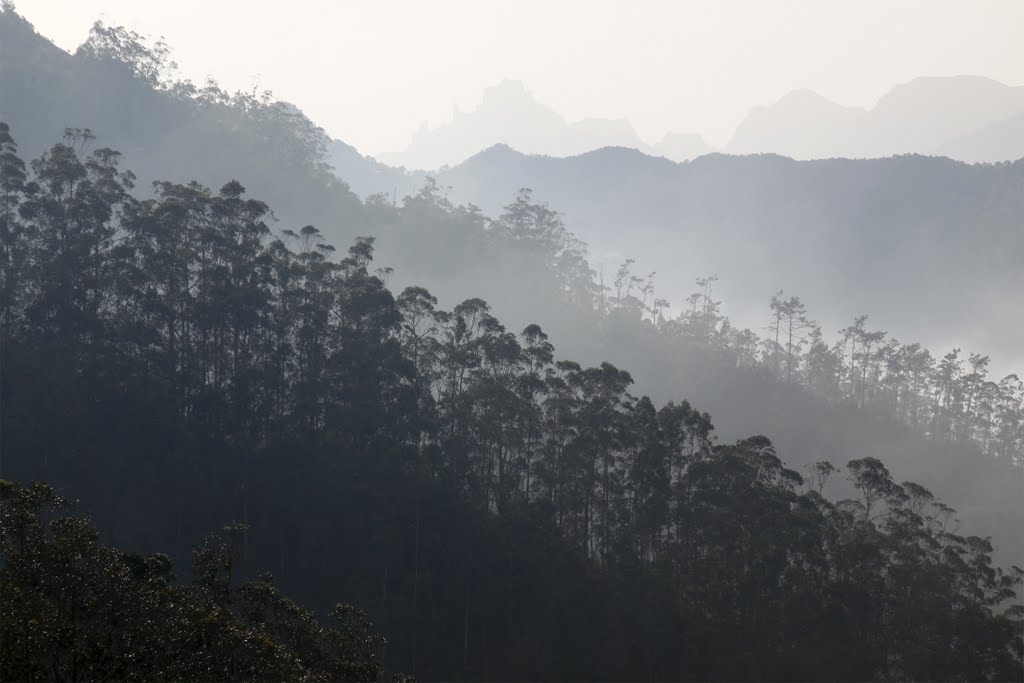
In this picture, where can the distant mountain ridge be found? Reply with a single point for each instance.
(916, 241)
(510, 114)
(932, 116)
(969, 118)
(996, 141)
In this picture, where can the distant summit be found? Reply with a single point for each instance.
(800, 125)
(681, 146)
(1002, 140)
(510, 114)
(969, 118)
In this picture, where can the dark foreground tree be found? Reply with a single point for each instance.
(74, 609)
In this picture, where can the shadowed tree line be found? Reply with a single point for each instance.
(950, 399)
(501, 514)
(76, 610)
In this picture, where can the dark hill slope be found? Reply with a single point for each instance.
(929, 247)
(116, 86)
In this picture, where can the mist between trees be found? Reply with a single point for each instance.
(181, 359)
(502, 513)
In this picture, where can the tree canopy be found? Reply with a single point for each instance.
(179, 365)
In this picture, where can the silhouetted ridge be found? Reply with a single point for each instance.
(465, 405)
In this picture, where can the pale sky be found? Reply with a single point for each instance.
(370, 72)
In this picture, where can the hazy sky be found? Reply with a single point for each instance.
(371, 72)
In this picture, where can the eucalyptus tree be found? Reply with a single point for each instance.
(14, 251)
(648, 484)
(72, 205)
(12, 233)
(788, 316)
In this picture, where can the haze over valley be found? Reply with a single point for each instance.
(560, 341)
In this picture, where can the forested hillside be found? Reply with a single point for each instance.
(504, 514)
(123, 87)
(929, 247)
(378, 398)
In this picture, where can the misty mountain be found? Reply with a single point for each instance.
(681, 146)
(802, 124)
(912, 241)
(915, 241)
(510, 114)
(166, 131)
(500, 462)
(929, 248)
(968, 118)
(366, 176)
(958, 116)
(1002, 139)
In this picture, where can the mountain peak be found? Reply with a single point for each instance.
(508, 94)
(509, 113)
(506, 87)
(919, 116)
(804, 97)
(681, 146)
(950, 90)
(498, 150)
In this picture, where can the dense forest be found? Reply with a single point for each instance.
(181, 359)
(503, 514)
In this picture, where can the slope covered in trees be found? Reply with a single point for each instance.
(177, 365)
(178, 360)
(169, 129)
(123, 86)
(929, 246)
(76, 610)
